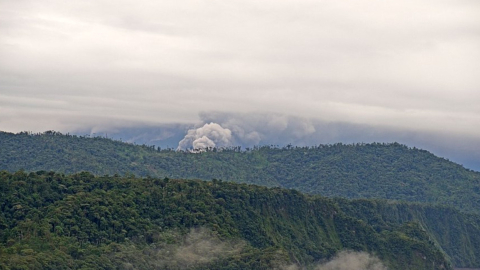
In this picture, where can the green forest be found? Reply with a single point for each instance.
(388, 171)
(54, 221)
(75, 202)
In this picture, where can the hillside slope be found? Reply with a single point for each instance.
(458, 234)
(53, 221)
(389, 171)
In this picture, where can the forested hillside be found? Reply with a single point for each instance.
(54, 221)
(389, 171)
(458, 234)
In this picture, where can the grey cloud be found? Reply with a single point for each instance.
(410, 65)
(262, 128)
(353, 261)
(200, 246)
(259, 128)
(345, 260)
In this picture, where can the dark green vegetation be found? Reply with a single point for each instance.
(457, 233)
(52, 221)
(389, 171)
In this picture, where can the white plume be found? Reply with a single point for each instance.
(251, 129)
(208, 136)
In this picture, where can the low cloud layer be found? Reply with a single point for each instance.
(251, 129)
(346, 260)
(200, 246)
(409, 66)
(353, 261)
(247, 130)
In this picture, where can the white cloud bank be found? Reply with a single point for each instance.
(408, 65)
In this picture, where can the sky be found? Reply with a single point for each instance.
(303, 72)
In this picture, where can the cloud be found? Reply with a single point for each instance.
(411, 64)
(246, 130)
(404, 65)
(250, 129)
(199, 247)
(346, 260)
(262, 128)
(353, 261)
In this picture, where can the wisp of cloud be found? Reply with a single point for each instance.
(346, 260)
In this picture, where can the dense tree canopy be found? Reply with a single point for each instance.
(54, 221)
(388, 171)
(73, 219)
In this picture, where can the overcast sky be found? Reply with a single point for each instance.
(411, 65)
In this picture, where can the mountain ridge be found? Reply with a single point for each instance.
(353, 169)
(385, 171)
(56, 221)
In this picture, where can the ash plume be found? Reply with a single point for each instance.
(251, 129)
(208, 136)
(263, 128)
(247, 130)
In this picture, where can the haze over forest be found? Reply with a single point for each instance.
(246, 72)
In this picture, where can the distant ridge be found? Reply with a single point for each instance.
(389, 171)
